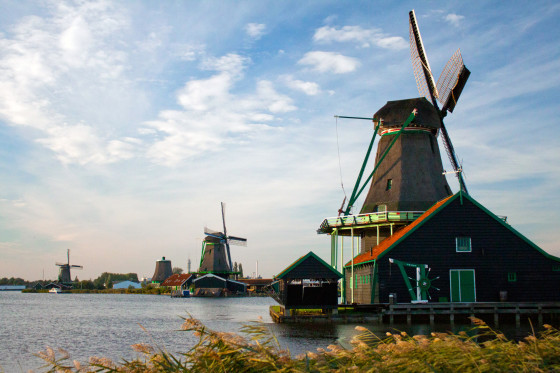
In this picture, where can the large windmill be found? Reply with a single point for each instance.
(408, 176)
(216, 256)
(64, 275)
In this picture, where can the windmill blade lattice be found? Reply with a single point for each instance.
(451, 81)
(238, 241)
(422, 71)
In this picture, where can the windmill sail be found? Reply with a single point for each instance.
(422, 71)
(428, 89)
(451, 82)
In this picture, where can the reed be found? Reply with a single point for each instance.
(257, 350)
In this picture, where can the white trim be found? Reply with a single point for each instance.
(210, 275)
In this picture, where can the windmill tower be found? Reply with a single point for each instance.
(407, 176)
(216, 256)
(64, 275)
(163, 270)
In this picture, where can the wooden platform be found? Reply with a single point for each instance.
(491, 313)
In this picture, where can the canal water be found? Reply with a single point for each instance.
(106, 325)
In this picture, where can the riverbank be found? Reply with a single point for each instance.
(147, 290)
(481, 349)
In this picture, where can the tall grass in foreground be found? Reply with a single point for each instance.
(485, 351)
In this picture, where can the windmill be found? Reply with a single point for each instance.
(64, 275)
(216, 256)
(447, 90)
(407, 176)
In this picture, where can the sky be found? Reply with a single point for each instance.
(124, 124)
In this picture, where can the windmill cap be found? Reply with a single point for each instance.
(395, 113)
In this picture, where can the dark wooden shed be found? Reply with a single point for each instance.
(308, 283)
(461, 252)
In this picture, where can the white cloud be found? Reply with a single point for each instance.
(81, 144)
(49, 62)
(309, 88)
(329, 62)
(255, 30)
(231, 63)
(454, 19)
(272, 100)
(356, 34)
(212, 115)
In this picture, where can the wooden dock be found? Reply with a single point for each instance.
(415, 313)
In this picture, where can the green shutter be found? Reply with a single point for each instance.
(467, 286)
(455, 291)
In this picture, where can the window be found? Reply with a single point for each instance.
(512, 276)
(389, 184)
(463, 244)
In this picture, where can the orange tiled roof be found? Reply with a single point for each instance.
(176, 279)
(389, 241)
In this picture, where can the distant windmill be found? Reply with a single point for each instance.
(447, 90)
(216, 255)
(64, 275)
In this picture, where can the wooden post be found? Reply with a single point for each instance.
(496, 318)
(408, 316)
(451, 315)
(432, 317)
(517, 317)
(353, 279)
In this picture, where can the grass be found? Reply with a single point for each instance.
(484, 350)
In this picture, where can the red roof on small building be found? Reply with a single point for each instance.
(176, 279)
(384, 245)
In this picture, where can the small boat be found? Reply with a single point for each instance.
(55, 290)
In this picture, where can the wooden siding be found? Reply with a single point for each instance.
(362, 289)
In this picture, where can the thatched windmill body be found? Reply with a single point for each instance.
(64, 275)
(215, 257)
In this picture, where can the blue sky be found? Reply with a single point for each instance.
(124, 124)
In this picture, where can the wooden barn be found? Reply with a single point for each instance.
(308, 283)
(457, 251)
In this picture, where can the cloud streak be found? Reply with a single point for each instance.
(325, 62)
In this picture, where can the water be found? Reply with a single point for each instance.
(107, 324)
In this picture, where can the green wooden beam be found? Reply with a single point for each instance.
(356, 186)
(406, 123)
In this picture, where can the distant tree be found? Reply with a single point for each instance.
(115, 277)
(76, 279)
(235, 268)
(240, 270)
(177, 270)
(109, 282)
(87, 284)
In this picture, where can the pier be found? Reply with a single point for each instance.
(411, 313)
